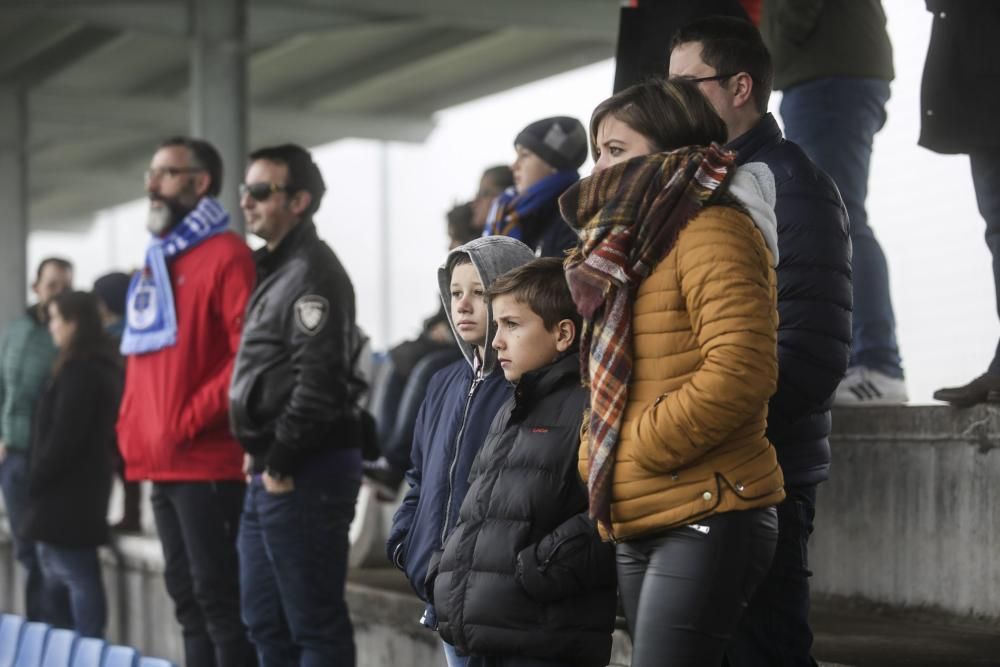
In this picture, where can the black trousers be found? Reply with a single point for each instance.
(684, 590)
(198, 523)
(775, 630)
(514, 661)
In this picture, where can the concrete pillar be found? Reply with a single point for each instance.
(14, 195)
(219, 90)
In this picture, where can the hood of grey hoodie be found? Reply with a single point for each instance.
(753, 185)
(492, 256)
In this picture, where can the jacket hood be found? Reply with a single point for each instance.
(492, 256)
(753, 185)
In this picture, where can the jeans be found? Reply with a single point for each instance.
(41, 603)
(77, 570)
(685, 590)
(986, 179)
(197, 523)
(775, 628)
(453, 658)
(835, 120)
(293, 569)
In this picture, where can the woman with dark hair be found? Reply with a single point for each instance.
(69, 481)
(674, 278)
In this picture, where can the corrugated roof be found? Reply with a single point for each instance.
(106, 79)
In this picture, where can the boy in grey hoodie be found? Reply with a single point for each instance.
(460, 404)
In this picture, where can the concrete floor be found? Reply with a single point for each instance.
(863, 635)
(853, 634)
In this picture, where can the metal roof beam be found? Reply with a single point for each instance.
(160, 116)
(593, 18)
(418, 48)
(72, 48)
(29, 39)
(163, 17)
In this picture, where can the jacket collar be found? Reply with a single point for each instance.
(762, 136)
(301, 234)
(539, 383)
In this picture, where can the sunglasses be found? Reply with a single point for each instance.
(261, 191)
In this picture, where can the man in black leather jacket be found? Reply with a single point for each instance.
(733, 68)
(293, 408)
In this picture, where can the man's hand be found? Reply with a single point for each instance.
(3, 451)
(248, 467)
(277, 487)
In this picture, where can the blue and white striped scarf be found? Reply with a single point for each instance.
(150, 318)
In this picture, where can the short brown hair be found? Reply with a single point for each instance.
(669, 114)
(731, 45)
(541, 285)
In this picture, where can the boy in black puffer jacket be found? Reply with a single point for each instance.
(524, 578)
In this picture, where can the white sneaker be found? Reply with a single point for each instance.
(863, 386)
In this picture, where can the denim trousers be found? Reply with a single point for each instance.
(835, 120)
(293, 569)
(775, 629)
(985, 165)
(197, 523)
(451, 656)
(77, 570)
(684, 590)
(41, 602)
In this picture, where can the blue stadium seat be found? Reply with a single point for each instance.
(155, 662)
(59, 648)
(88, 652)
(32, 644)
(10, 633)
(120, 656)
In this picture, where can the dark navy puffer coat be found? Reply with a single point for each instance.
(814, 301)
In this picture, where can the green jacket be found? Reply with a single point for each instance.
(26, 357)
(818, 39)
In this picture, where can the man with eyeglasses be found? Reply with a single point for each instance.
(294, 409)
(184, 315)
(728, 61)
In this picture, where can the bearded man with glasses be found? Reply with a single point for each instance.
(293, 401)
(184, 315)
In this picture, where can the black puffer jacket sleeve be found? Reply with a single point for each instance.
(566, 562)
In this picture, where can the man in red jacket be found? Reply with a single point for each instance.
(183, 321)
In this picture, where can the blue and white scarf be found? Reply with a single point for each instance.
(150, 318)
(509, 209)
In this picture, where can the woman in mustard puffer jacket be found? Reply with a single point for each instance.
(674, 277)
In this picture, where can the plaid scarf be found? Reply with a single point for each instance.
(628, 217)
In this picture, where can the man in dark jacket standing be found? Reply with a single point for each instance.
(733, 67)
(959, 108)
(293, 408)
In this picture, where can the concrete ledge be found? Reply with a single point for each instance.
(909, 515)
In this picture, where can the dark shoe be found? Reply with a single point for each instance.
(128, 526)
(984, 388)
(384, 477)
